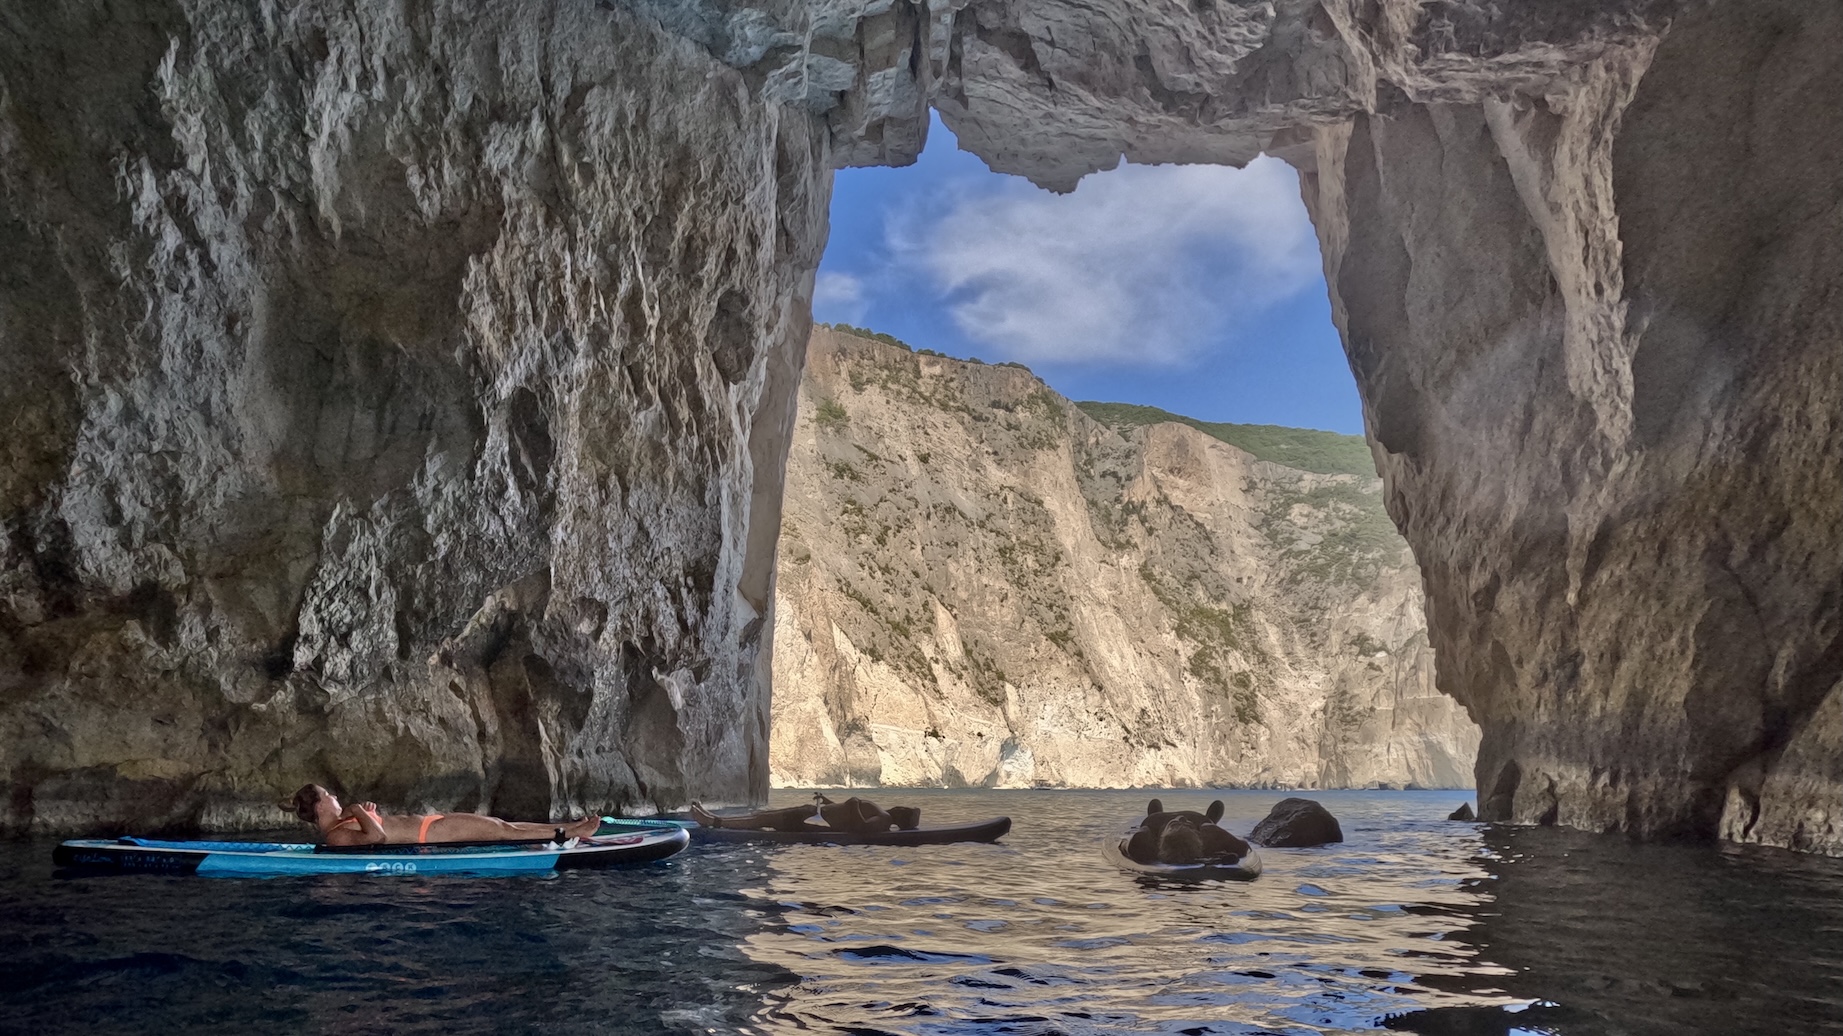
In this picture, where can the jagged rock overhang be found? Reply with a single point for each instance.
(1583, 257)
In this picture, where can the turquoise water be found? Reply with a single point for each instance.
(1413, 924)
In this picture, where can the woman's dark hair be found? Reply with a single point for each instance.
(304, 802)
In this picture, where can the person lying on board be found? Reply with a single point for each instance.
(362, 824)
(1183, 837)
(858, 816)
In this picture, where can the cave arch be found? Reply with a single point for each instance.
(1584, 258)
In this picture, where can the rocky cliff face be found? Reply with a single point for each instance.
(980, 584)
(400, 390)
(1610, 419)
(1585, 261)
(391, 392)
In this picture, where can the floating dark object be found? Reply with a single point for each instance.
(1184, 845)
(983, 831)
(1297, 824)
(1245, 869)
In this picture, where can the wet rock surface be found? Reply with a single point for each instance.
(1297, 824)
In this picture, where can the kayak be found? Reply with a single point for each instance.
(1245, 869)
(983, 831)
(616, 843)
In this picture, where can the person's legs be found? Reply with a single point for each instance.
(793, 818)
(583, 828)
(477, 827)
(873, 817)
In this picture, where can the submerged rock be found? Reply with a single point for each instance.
(1295, 824)
(1464, 812)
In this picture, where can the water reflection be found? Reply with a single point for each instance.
(653, 949)
(1042, 935)
(1414, 924)
(1613, 936)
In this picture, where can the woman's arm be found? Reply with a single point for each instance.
(368, 833)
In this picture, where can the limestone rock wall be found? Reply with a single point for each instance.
(1643, 331)
(398, 392)
(1584, 260)
(391, 392)
(980, 585)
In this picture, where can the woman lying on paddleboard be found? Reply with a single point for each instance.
(860, 816)
(364, 825)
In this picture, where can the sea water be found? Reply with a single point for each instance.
(1413, 924)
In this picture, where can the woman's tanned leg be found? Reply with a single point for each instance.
(476, 827)
(793, 818)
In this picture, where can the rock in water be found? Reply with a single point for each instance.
(1464, 812)
(1296, 824)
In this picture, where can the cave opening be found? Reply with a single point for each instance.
(960, 547)
(1197, 289)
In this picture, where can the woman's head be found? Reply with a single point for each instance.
(306, 802)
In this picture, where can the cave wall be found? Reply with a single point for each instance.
(398, 396)
(391, 394)
(1597, 334)
(1584, 258)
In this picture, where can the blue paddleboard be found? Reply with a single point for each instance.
(616, 843)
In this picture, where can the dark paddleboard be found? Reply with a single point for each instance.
(984, 831)
(617, 843)
(1247, 868)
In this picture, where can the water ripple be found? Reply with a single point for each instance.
(1414, 925)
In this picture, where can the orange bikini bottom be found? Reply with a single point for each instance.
(422, 835)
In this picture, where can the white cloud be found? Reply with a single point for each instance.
(839, 298)
(1143, 264)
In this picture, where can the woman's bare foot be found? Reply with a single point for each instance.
(581, 828)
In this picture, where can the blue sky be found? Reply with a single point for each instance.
(1193, 288)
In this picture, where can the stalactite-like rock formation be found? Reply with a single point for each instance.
(404, 393)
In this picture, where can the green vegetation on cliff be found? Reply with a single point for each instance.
(1304, 449)
(875, 336)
